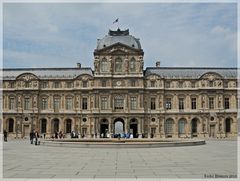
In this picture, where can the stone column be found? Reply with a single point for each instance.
(125, 125)
(110, 127)
(139, 129)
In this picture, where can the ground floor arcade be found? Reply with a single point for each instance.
(96, 126)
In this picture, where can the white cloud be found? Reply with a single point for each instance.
(178, 34)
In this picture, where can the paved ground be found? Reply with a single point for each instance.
(216, 158)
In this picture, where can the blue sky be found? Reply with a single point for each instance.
(62, 34)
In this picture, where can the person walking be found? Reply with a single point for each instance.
(32, 134)
(5, 135)
(36, 137)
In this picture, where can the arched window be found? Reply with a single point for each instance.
(118, 102)
(118, 65)
(132, 65)
(10, 125)
(194, 125)
(181, 126)
(228, 125)
(68, 126)
(169, 126)
(56, 125)
(104, 65)
(43, 126)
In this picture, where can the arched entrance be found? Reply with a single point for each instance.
(118, 126)
(181, 127)
(228, 125)
(133, 127)
(194, 127)
(169, 128)
(55, 125)
(104, 128)
(68, 126)
(10, 125)
(43, 126)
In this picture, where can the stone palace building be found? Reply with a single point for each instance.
(120, 96)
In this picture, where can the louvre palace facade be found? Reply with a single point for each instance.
(120, 96)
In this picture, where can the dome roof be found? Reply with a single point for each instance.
(119, 36)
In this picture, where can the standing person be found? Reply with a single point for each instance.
(32, 136)
(5, 135)
(56, 135)
(44, 135)
(36, 137)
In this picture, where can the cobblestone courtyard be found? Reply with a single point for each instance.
(23, 160)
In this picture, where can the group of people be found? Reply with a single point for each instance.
(34, 137)
(57, 135)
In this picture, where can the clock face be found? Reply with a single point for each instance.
(119, 83)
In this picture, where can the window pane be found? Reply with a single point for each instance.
(104, 103)
(133, 103)
(84, 103)
(118, 102)
(181, 127)
(118, 65)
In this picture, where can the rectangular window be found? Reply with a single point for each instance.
(181, 103)
(167, 84)
(84, 103)
(84, 83)
(153, 103)
(104, 83)
(56, 84)
(104, 103)
(168, 104)
(193, 84)
(194, 103)
(211, 102)
(226, 103)
(11, 103)
(69, 84)
(133, 103)
(26, 103)
(44, 104)
(210, 83)
(44, 85)
(152, 83)
(27, 84)
(180, 85)
(133, 83)
(69, 103)
(56, 104)
(12, 84)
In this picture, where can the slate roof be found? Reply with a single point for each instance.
(47, 73)
(118, 36)
(190, 72)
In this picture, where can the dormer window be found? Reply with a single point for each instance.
(132, 65)
(84, 83)
(104, 65)
(118, 65)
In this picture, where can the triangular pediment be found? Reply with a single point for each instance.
(118, 49)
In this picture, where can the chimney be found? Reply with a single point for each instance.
(157, 63)
(79, 65)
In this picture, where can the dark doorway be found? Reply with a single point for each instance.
(55, 125)
(10, 125)
(43, 126)
(228, 125)
(68, 126)
(104, 130)
(194, 127)
(133, 130)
